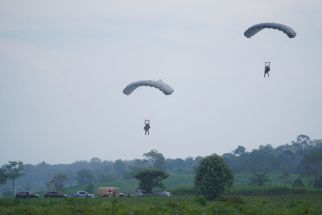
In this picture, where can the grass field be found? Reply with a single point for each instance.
(296, 204)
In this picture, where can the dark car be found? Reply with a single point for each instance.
(54, 194)
(26, 195)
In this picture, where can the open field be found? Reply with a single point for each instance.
(265, 205)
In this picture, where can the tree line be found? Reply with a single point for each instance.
(302, 157)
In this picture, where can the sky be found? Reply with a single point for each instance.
(64, 64)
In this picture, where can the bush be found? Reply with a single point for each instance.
(213, 177)
(200, 200)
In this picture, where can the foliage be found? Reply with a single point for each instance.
(272, 160)
(239, 150)
(298, 183)
(259, 179)
(201, 200)
(268, 190)
(285, 177)
(266, 158)
(183, 190)
(150, 178)
(312, 165)
(58, 182)
(85, 177)
(213, 176)
(3, 176)
(119, 168)
(156, 159)
(14, 171)
(90, 188)
(317, 183)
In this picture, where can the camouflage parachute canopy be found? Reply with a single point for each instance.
(251, 31)
(163, 87)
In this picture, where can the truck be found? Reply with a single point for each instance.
(108, 191)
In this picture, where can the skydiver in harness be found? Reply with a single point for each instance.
(267, 69)
(147, 127)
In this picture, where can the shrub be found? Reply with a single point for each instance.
(200, 200)
(213, 177)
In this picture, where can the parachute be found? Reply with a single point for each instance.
(256, 28)
(165, 88)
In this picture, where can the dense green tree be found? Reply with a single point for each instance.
(13, 172)
(58, 182)
(213, 176)
(259, 179)
(156, 159)
(150, 179)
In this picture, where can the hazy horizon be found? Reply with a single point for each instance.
(63, 66)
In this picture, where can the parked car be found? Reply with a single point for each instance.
(26, 195)
(164, 193)
(122, 194)
(140, 192)
(54, 194)
(83, 194)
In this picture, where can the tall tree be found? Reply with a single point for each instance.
(150, 178)
(58, 182)
(155, 158)
(13, 172)
(239, 150)
(213, 176)
(3, 176)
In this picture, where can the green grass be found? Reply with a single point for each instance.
(299, 204)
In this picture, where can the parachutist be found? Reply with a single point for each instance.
(147, 128)
(267, 69)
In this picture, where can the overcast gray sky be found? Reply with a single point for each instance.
(64, 64)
